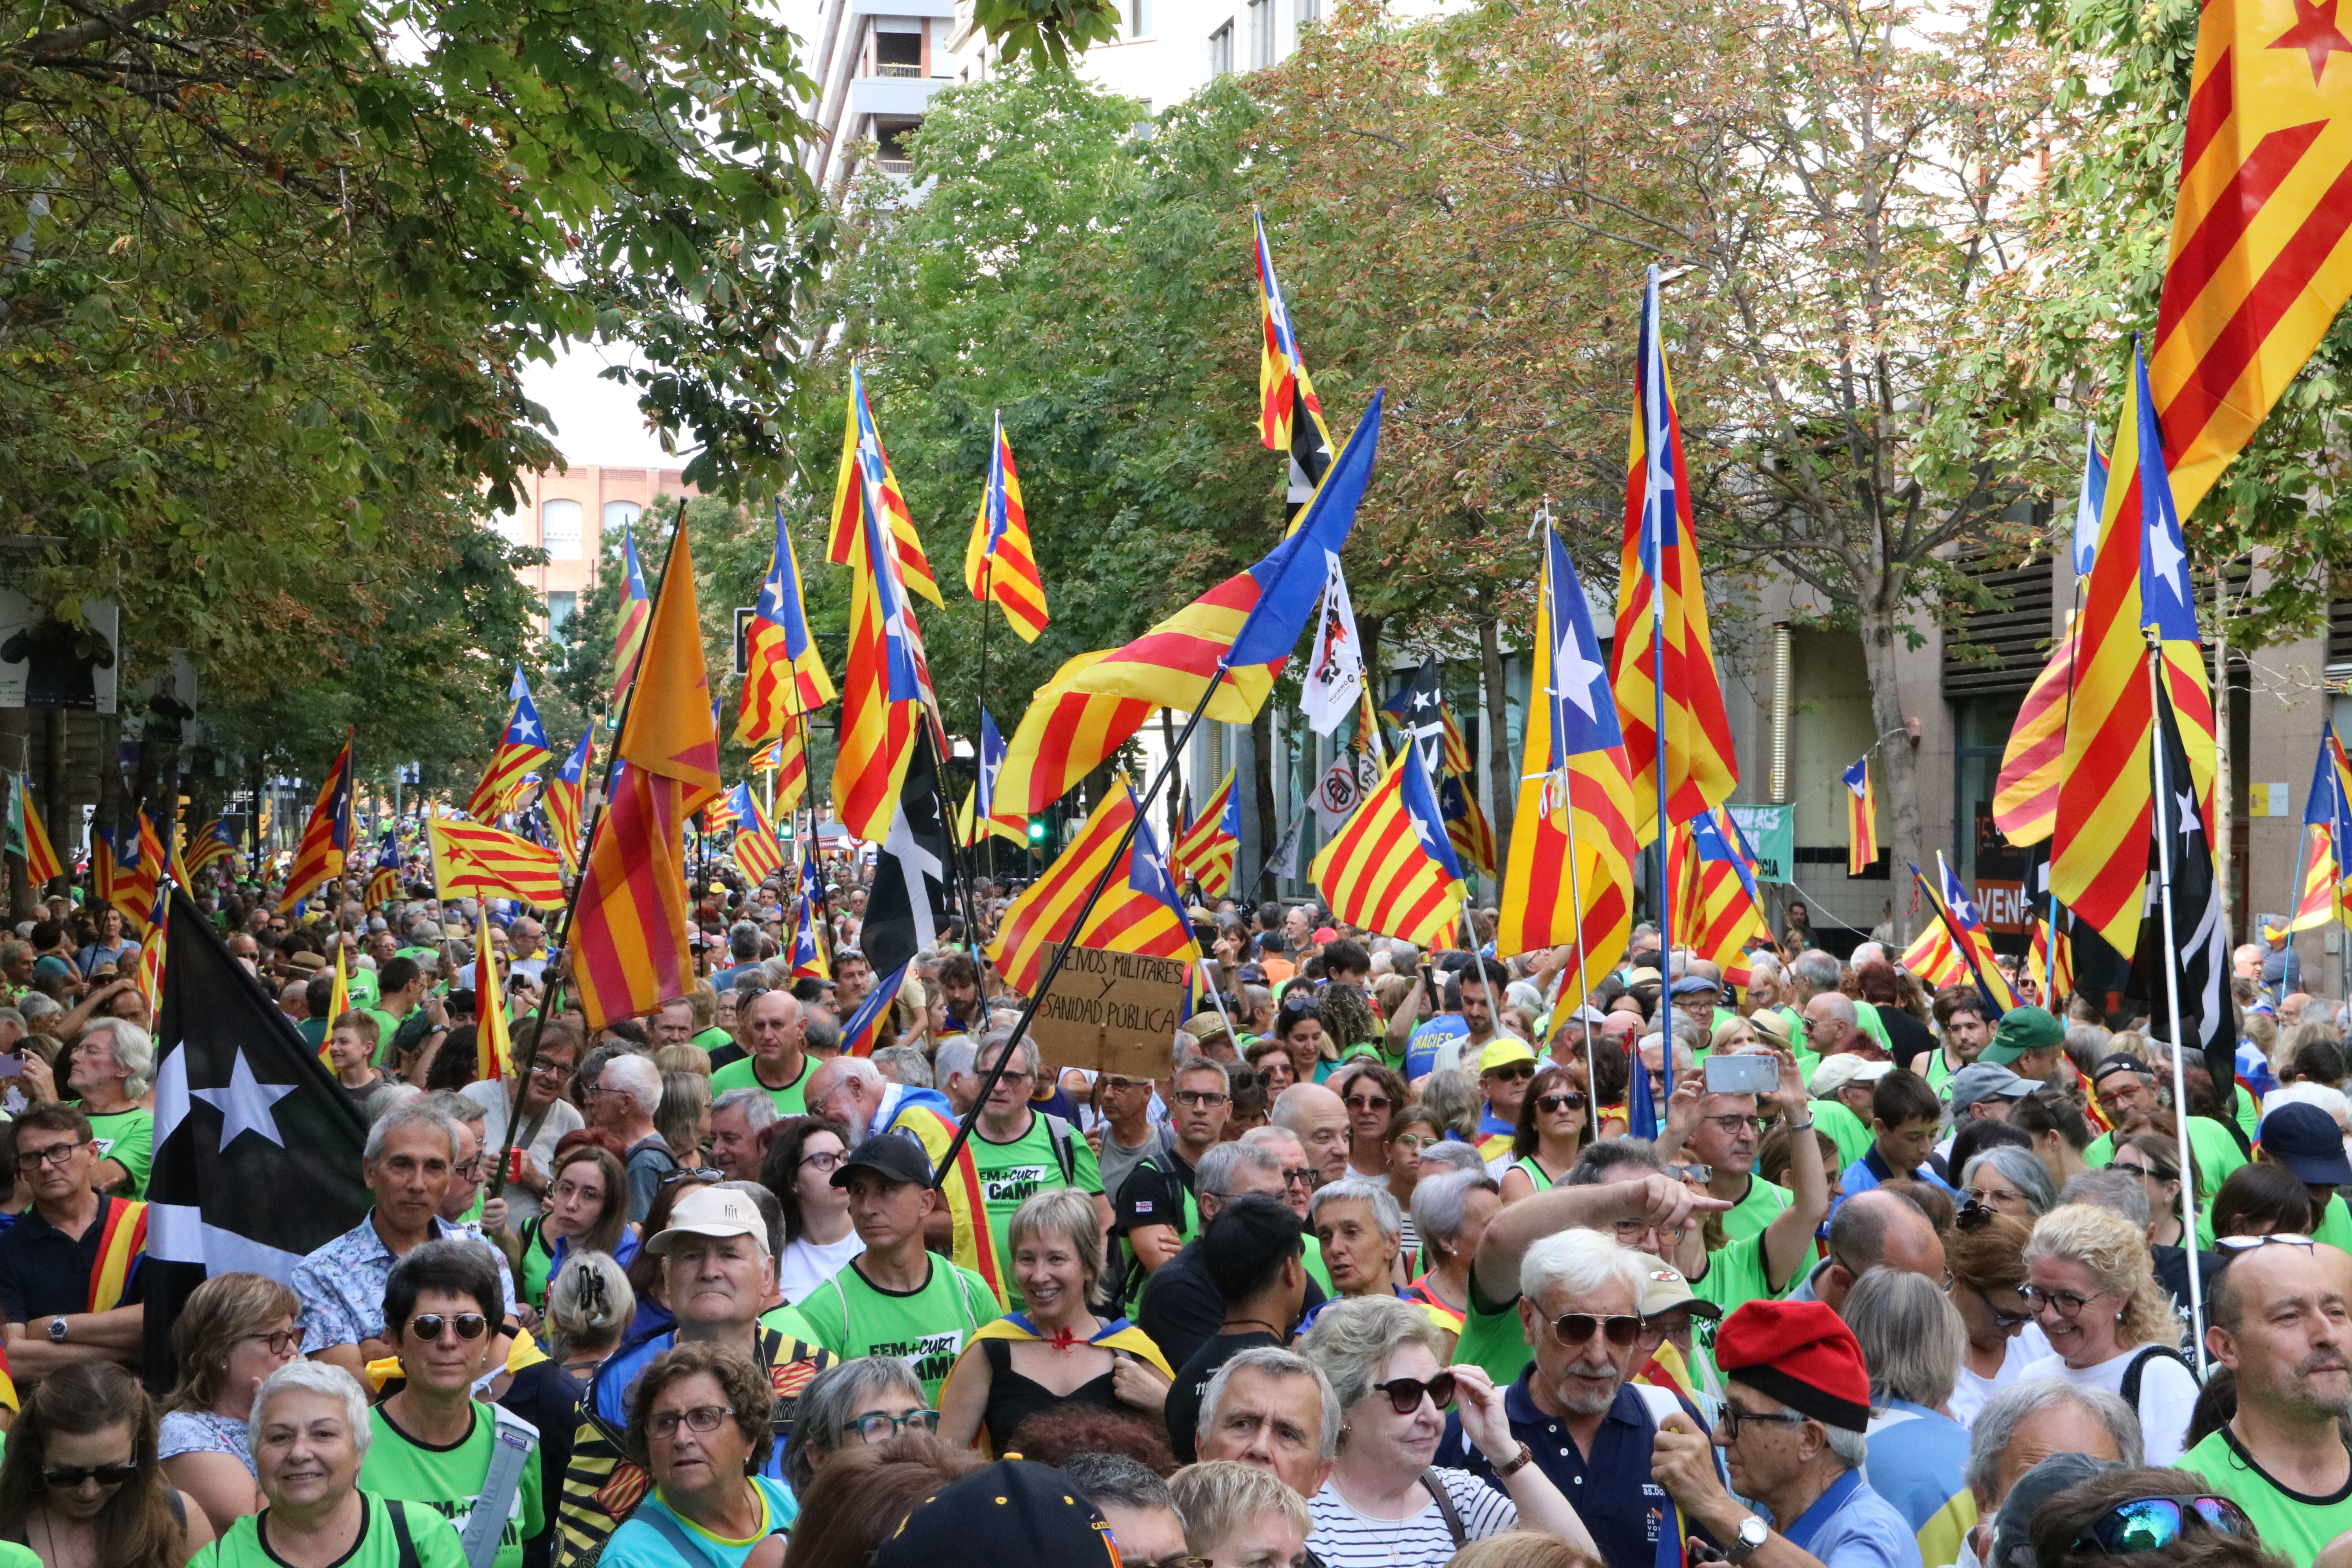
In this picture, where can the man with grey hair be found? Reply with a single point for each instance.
(738, 1117)
(411, 1153)
(1271, 1408)
(1019, 1151)
(1576, 1408)
(743, 946)
(622, 1102)
(1134, 1501)
(1180, 1308)
(904, 1064)
(951, 1072)
(1912, 1341)
(1317, 1118)
(111, 1070)
(1868, 1230)
(2029, 1422)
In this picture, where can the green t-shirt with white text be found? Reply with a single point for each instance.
(851, 1316)
(1012, 1173)
(449, 1481)
(128, 1137)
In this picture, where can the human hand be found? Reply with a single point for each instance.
(1661, 1203)
(494, 1214)
(1681, 1461)
(38, 1080)
(1681, 1105)
(1483, 1421)
(1137, 1384)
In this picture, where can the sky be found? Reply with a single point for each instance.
(594, 421)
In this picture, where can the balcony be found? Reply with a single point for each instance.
(890, 97)
(888, 70)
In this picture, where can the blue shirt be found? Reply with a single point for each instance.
(1851, 1526)
(1421, 1050)
(1612, 1490)
(340, 1285)
(1872, 1169)
(1919, 1463)
(642, 1543)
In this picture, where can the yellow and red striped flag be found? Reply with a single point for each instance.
(2259, 264)
(1935, 959)
(635, 613)
(864, 489)
(1717, 907)
(493, 1044)
(41, 864)
(2025, 796)
(998, 564)
(2318, 906)
(1861, 817)
(632, 913)
(475, 858)
(148, 978)
(1956, 913)
(1139, 912)
(2100, 843)
(785, 677)
(1290, 416)
(338, 1002)
(1211, 842)
(1569, 880)
(1391, 869)
(210, 845)
(2058, 984)
(1249, 624)
(885, 687)
(758, 854)
(1662, 625)
(326, 836)
(563, 798)
(808, 941)
(522, 746)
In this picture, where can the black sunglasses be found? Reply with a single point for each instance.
(1548, 1103)
(1405, 1394)
(1576, 1328)
(65, 1477)
(427, 1326)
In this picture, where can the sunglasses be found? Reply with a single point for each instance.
(1516, 1071)
(2151, 1523)
(2233, 1245)
(1370, 1102)
(65, 1477)
(427, 1326)
(1577, 1328)
(1550, 1104)
(1405, 1394)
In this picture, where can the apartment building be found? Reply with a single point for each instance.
(568, 516)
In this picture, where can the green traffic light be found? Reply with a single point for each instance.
(1037, 831)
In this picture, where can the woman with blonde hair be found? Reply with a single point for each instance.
(589, 1305)
(234, 1331)
(1239, 1516)
(2109, 1324)
(683, 1119)
(1522, 1549)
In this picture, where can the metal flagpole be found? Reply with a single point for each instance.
(1545, 586)
(2172, 990)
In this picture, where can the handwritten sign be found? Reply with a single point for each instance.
(1112, 1012)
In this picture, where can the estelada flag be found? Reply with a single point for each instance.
(999, 567)
(1957, 912)
(784, 676)
(493, 1046)
(1211, 842)
(629, 932)
(636, 611)
(865, 488)
(885, 686)
(28, 837)
(326, 836)
(562, 802)
(1391, 869)
(1861, 817)
(472, 859)
(1290, 416)
(522, 746)
(757, 854)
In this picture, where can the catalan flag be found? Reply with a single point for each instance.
(1246, 626)
(2318, 906)
(383, 882)
(865, 490)
(636, 612)
(1569, 877)
(326, 836)
(493, 1046)
(786, 756)
(338, 1002)
(998, 564)
(868, 1028)
(786, 675)
(1933, 957)
(2025, 796)
(1138, 911)
(808, 941)
(2057, 975)
(1957, 912)
(885, 687)
(1662, 626)
(629, 932)
(757, 855)
(147, 978)
(561, 800)
(1390, 868)
(2259, 267)
(2099, 861)
(2327, 827)
(1211, 844)
(1466, 827)
(1717, 907)
(522, 746)
(2090, 503)
(28, 837)
(721, 814)
(980, 816)
(210, 845)
(2329, 804)
(1861, 817)
(475, 858)
(1290, 416)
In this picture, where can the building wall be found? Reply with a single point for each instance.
(568, 513)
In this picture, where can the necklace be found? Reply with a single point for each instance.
(1261, 1323)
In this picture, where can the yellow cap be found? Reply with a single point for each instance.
(1501, 1053)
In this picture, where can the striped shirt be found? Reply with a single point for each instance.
(1343, 1538)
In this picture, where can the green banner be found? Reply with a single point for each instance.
(1772, 834)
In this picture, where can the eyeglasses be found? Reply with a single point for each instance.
(30, 1160)
(2233, 1245)
(1178, 1560)
(1733, 1417)
(825, 1162)
(1122, 1085)
(280, 1342)
(2067, 1304)
(1551, 1105)
(1515, 1072)
(467, 1170)
(1370, 1102)
(2000, 1320)
(2149, 1523)
(1200, 1098)
(65, 1477)
(1304, 1176)
(1577, 1328)
(1416, 1142)
(427, 1326)
(663, 1424)
(876, 1425)
(1405, 1394)
(546, 1068)
(1730, 1125)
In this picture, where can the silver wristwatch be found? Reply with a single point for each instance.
(1751, 1536)
(57, 1329)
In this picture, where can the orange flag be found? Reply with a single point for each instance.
(629, 934)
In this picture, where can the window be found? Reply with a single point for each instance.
(1138, 18)
(898, 53)
(619, 515)
(559, 529)
(1261, 34)
(511, 526)
(560, 607)
(1309, 11)
(1221, 51)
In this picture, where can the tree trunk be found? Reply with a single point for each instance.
(1898, 757)
(1368, 627)
(1498, 739)
(1261, 784)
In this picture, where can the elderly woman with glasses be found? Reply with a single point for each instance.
(2009, 1180)
(1986, 1255)
(232, 1332)
(852, 1405)
(698, 1423)
(1378, 1509)
(2110, 1324)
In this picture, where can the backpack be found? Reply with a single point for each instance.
(1059, 1133)
(2130, 1390)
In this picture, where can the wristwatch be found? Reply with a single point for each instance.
(57, 1329)
(1751, 1536)
(1527, 1456)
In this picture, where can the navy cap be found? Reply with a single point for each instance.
(2306, 1141)
(1012, 1514)
(894, 1154)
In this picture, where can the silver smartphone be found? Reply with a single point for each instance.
(1742, 1074)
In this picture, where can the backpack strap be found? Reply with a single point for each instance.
(513, 1439)
(2130, 1389)
(1445, 1509)
(665, 1526)
(404, 1543)
(1058, 1133)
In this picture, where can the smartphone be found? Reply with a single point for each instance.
(11, 1064)
(1742, 1074)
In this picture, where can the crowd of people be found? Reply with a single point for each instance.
(1406, 1258)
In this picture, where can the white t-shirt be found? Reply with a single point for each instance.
(1970, 1392)
(562, 1117)
(807, 1264)
(2168, 1396)
(1343, 1538)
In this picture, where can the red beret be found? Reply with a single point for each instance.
(1800, 1354)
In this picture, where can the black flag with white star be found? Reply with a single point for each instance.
(1420, 707)
(2200, 941)
(907, 902)
(256, 1149)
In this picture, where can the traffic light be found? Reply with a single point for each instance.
(1037, 831)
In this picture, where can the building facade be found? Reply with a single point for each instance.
(568, 514)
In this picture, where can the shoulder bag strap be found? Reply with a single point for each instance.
(404, 1544)
(1057, 1132)
(1445, 1509)
(511, 1443)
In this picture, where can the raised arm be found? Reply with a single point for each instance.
(1655, 1200)
(1788, 1239)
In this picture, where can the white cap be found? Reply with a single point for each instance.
(711, 1209)
(1836, 1072)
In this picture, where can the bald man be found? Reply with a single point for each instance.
(1870, 1231)
(1317, 1118)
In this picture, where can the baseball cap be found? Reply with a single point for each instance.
(2021, 1030)
(2306, 1141)
(1836, 1072)
(711, 1210)
(1501, 1053)
(1981, 1081)
(2120, 1062)
(1011, 1514)
(1664, 1290)
(899, 1158)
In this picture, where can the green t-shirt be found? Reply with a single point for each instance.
(1867, 1019)
(2293, 1524)
(1492, 1338)
(792, 1099)
(358, 987)
(240, 1545)
(1317, 1270)
(1751, 1214)
(1849, 1132)
(785, 1320)
(450, 1481)
(2334, 1225)
(537, 1262)
(128, 1138)
(1533, 1170)
(387, 1026)
(15, 1556)
(851, 1316)
(2217, 1154)
(713, 1037)
(1012, 1173)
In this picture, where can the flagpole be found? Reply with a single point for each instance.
(554, 982)
(2172, 988)
(1567, 814)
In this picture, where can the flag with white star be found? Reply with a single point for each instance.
(908, 901)
(522, 746)
(2181, 850)
(256, 1149)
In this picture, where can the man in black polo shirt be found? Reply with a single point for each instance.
(1180, 1307)
(69, 1266)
